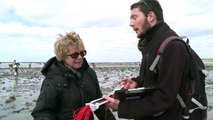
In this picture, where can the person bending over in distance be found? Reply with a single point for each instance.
(15, 66)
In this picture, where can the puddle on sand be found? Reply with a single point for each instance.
(18, 94)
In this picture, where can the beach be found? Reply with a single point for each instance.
(18, 94)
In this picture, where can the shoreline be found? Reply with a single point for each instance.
(208, 62)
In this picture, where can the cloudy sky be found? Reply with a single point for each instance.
(29, 28)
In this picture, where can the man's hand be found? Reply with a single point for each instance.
(113, 103)
(128, 83)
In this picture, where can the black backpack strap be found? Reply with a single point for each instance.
(187, 110)
(161, 50)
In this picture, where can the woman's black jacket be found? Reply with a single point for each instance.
(63, 92)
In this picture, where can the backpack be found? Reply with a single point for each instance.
(195, 104)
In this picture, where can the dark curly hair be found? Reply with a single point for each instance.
(149, 5)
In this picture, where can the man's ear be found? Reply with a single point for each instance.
(152, 17)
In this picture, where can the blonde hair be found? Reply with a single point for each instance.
(64, 42)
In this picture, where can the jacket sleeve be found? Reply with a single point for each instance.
(170, 76)
(138, 79)
(46, 103)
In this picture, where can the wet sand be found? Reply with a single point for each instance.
(18, 94)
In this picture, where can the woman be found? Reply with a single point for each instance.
(69, 83)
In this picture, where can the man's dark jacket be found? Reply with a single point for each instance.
(64, 91)
(162, 103)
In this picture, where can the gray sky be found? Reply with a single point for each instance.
(29, 28)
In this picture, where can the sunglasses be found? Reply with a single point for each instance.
(145, 4)
(76, 54)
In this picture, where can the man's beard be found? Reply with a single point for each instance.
(145, 27)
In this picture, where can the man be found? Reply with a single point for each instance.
(147, 21)
(15, 67)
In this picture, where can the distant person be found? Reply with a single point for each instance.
(69, 83)
(15, 66)
(169, 77)
(93, 65)
(29, 65)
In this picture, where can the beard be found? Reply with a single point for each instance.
(145, 27)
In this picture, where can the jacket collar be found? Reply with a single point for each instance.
(53, 63)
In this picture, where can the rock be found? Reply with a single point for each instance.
(10, 99)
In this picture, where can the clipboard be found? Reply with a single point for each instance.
(136, 93)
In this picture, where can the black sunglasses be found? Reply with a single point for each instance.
(145, 4)
(76, 54)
